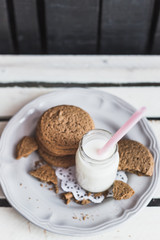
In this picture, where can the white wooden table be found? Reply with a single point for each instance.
(135, 79)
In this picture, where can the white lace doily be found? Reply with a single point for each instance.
(69, 184)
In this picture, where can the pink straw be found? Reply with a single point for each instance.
(123, 130)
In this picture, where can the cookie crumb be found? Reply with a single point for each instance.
(105, 193)
(88, 194)
(85, 201)
(68, 195)
(56, 188)
(99, 194)
(84, 218)
(68, 201)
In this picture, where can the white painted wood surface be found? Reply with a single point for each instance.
(144, 226)
(137, 96)
(81, 69)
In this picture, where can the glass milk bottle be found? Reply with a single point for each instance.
(96, 172)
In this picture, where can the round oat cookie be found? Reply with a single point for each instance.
(135, 158)
(57, 151)
(57, 161)
(62, 127)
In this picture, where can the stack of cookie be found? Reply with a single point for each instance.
(58, 133)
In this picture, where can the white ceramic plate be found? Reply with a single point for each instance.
(43, 207)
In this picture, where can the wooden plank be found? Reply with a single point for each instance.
(125, 26)
(6, 44)
(80, 69)
(15, 226)
(155, 124)
(156, 42)
(15, 98)
(27, 28)
(72, 26)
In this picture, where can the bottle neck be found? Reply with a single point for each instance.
(90, 137)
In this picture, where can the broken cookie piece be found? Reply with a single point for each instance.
(25, 147)
(45, 173)
(134, 157)
(122, 190)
